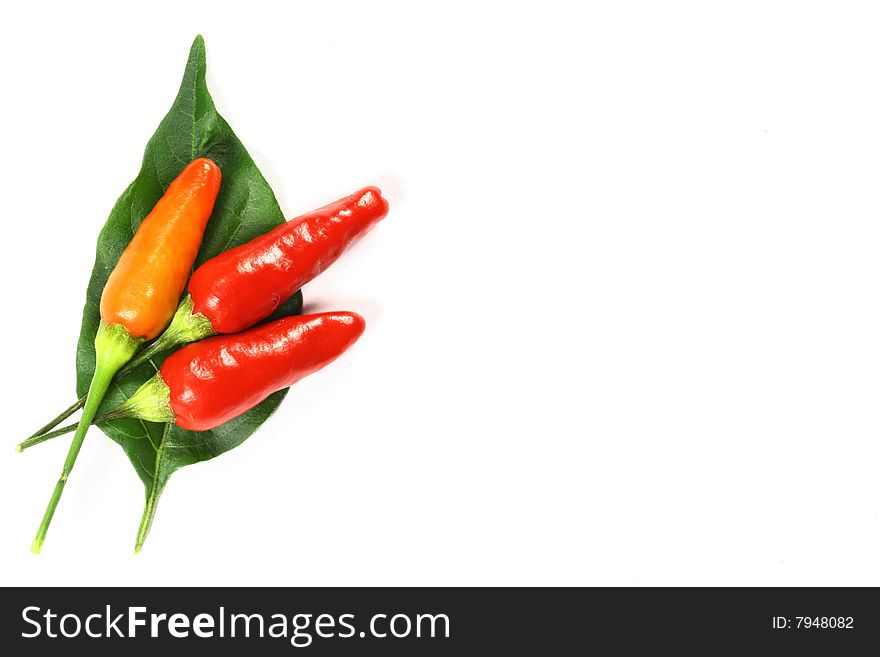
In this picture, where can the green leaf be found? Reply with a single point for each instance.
(245, 208)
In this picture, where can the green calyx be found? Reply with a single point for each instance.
(186, 326)
(150, 402)
(114, 347)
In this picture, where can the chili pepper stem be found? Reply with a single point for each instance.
(150, 402)
(185, 327)
(118, 413)
(70, 410)
(114, 347)
(43, 437)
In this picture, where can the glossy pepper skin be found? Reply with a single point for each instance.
(141, 294)
(207, 383)
(144, 289)
(244, 285)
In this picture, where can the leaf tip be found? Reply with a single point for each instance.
(138, 547)
(36, 546)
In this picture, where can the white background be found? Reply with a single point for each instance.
(623, 320)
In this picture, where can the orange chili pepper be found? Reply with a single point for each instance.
(144, 289)
(142, 292)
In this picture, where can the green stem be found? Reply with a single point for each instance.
(117, 413)
(43, 433)
(70, 410)
(36, 440)
(185, 327)
(150, 402)
(114, 347)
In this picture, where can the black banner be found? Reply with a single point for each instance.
(446, 621)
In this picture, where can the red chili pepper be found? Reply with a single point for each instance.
(236, 289)
(240, 287)
(210, 382)
(244, 285)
